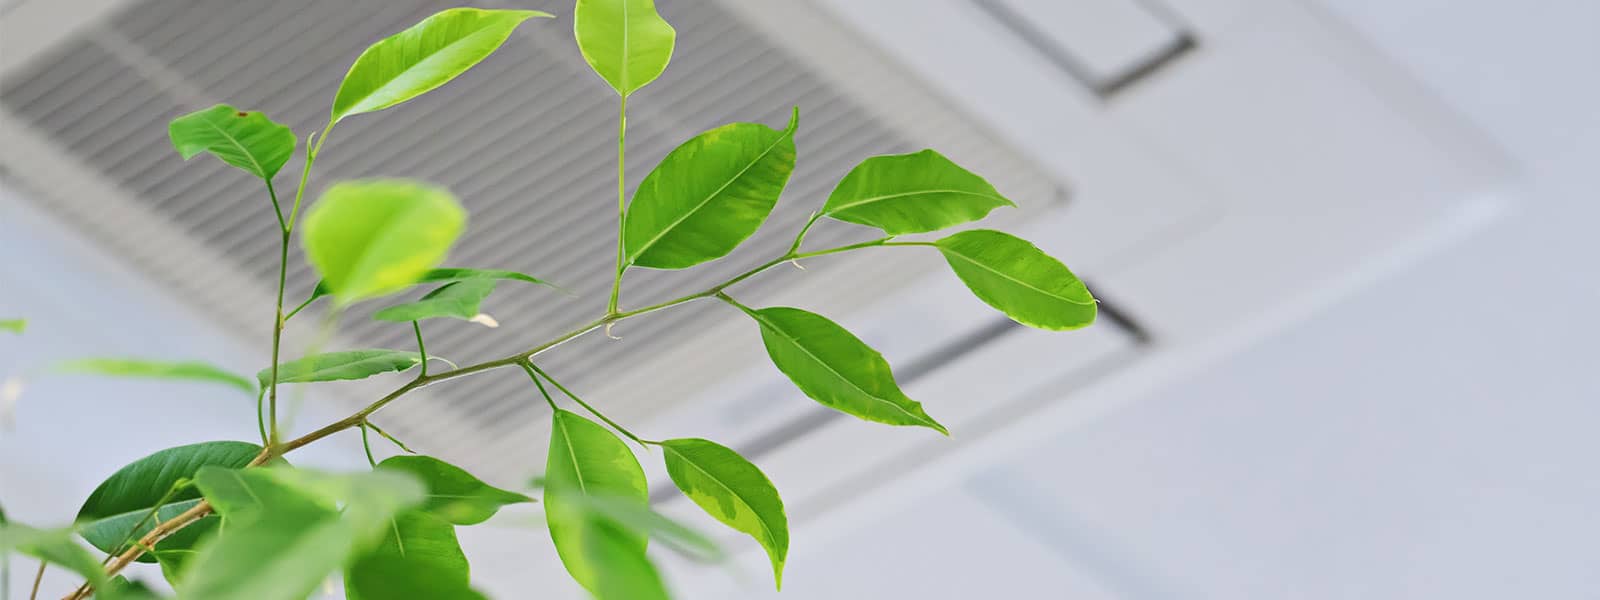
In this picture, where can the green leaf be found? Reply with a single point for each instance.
(16, 326)
(121, 588)
(626, 42)
(836, 368)
(374, 237)
(156, 369)
(288, 529)
(451, 274)
(587, 459)
(419, 557)
(115, 513)
(453, 494)
(708, 195)
(628, 573)
(458, 300)
(54, 546)
(426, 56)
(627, 513)
(341, 365)
(1018, 279)
(734, 491)
(911, 193)
(247, 140)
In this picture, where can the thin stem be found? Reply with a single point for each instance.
(261, 417)
(366, 445)
(527, 367)
(297, 309)
(305, 175)
(277, 338)
(393, 440)
(276, 208)
(38, 576)
(622, 201)
(585, 405)
(735, 303)
(800, 238)
(422, 351)
(153, 512)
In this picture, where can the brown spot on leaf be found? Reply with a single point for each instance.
(243, 114)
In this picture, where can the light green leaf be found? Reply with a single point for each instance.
(247, 140)
(342, 365)
(627, 513)
(419, 557)
(587, 459)
(426, 56)
(911, 193)
(628, 573)
(109, 517)
(374, 237)
(453, 494)
(16, 326)
(54, 546)
(452, 274)
(459, 300)
(626, 42)
(288, 529)
(836, 368)
(734, 491)
(156, 369)
(708, 195)
(1018, 279)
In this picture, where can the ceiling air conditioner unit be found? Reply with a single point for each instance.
(1209, 166)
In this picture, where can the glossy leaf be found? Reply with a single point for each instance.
(54, 546)
(911, 193)
(708, 195)
(419, 557)
(247, 140)
(373, 237)
(587, 459)
(626, 42)
(836, 368)
(156, 369)
(122, 502)
(288, 529)
(459, 300)
(627, 573)
(341, 365)
(453, 494)
(423, 57)
(16, 326)
(1018, 279)
(734, 491)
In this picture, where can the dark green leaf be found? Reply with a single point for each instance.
(419, 557)
(628, 573)
(345, 364)
(156, 369)
(1017, 278)
(124, 500)
(54, 546)
(16, 326)
(426, 56)
(453, 494)
(288, 529)
(121, 588)
(911, 193)
(734, 491)
(836, 368)
(459, 300)
(373, 237)
(626, 42)
(708, 195)
(247, 140)
(587, 459)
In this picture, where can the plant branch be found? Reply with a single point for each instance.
(527, 367)
(622, 202)
(204, 508)
(422, 351)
